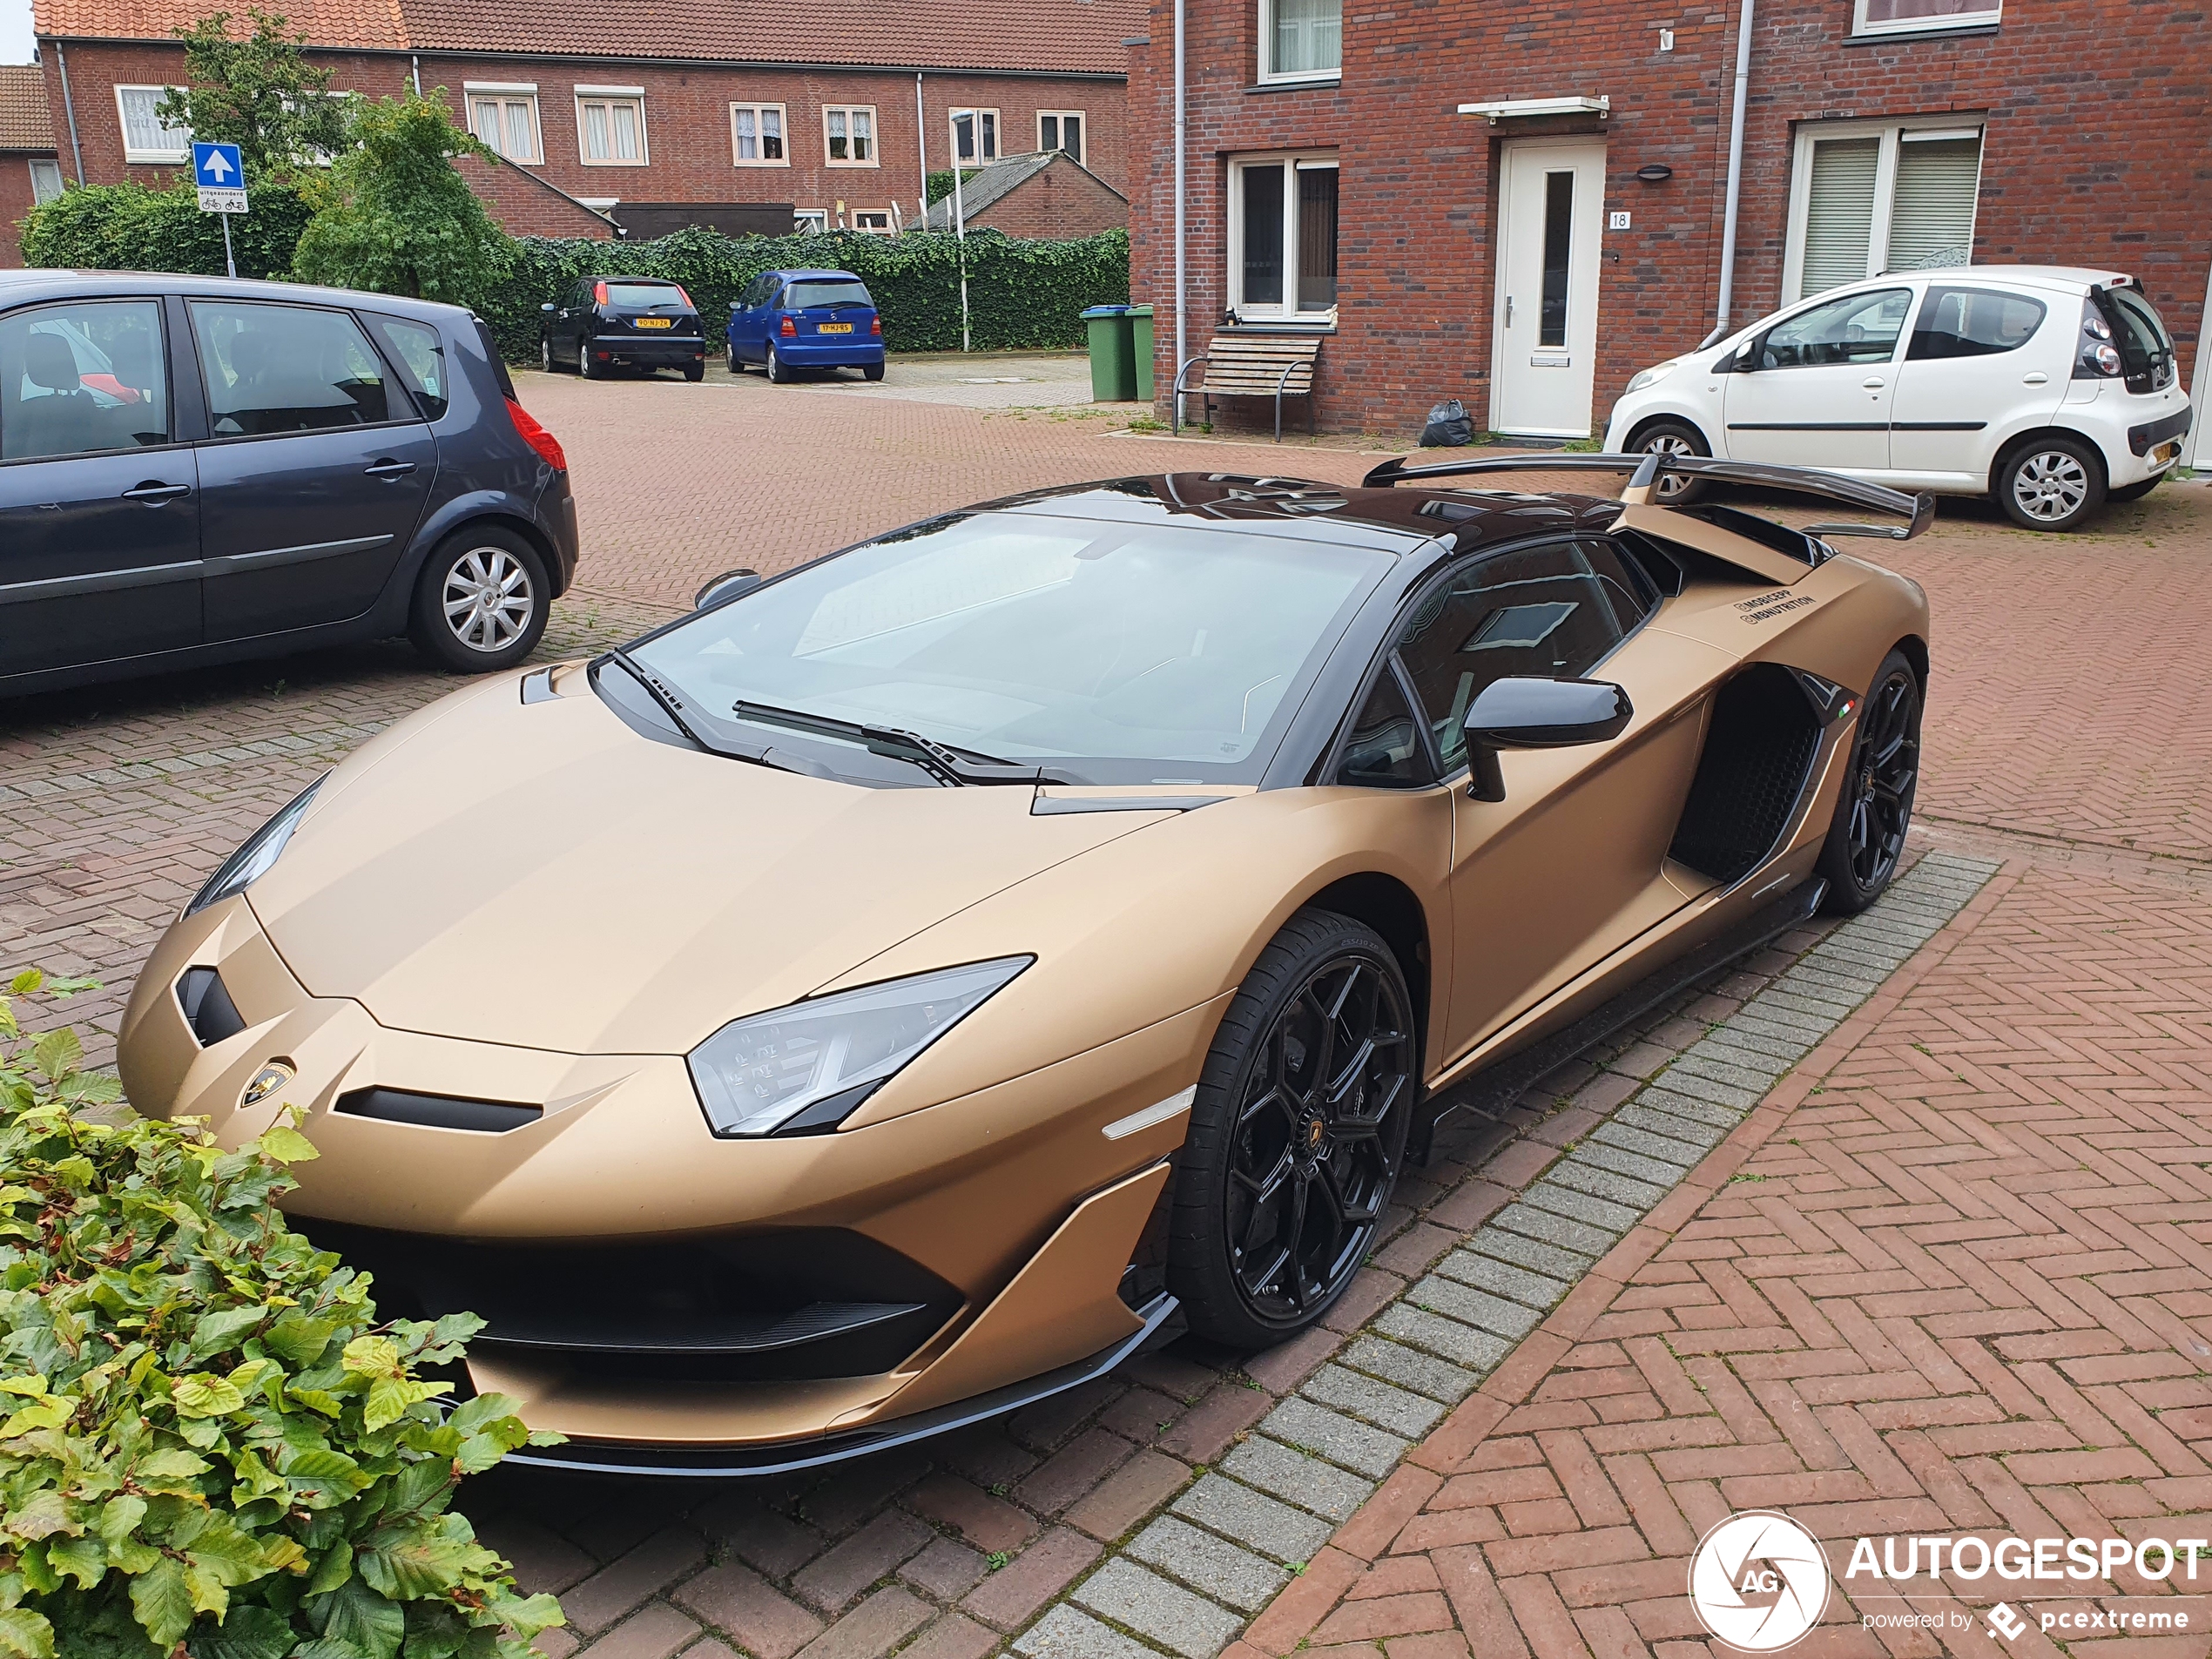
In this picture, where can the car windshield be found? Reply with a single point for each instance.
(800, 295)
(1119, 653)
(640, 296)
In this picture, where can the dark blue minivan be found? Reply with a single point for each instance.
(792, 320)
(194, 470)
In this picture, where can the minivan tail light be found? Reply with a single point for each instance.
(790, 329)
(548, 446)
(599, 291)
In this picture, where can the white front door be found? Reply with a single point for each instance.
(1551, 207)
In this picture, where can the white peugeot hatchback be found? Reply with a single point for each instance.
(2052, 389)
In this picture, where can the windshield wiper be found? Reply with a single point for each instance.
(671, 705)
(897, 743)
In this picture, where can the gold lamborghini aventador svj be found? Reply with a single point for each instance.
(903, 987)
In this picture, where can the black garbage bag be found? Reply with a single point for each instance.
(1448, 426)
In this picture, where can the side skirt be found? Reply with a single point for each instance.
(1491, 1092)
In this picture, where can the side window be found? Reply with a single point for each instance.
(79, 379)
(1385, 750)
(1974, 322)
(286, 368)
(1540, 611)
(1858, 329)
(421, 359)
(1626, 587)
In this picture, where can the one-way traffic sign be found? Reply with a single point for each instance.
(221, 178)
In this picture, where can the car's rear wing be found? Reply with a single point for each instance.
(1645, 470)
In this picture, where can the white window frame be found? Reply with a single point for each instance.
(504, 93)
(886, 228)
(1893, 133)
(783, 122)
(1293, 162)
(1992, 13)
(1268, 75)
(807, 221)
(1062, 117)
(182, 153)
(612, 95)
(39, 195)
(874, 158)
(981, 159)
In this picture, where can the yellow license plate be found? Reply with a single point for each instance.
(655, 322)
(833, 328)
(2164, 453)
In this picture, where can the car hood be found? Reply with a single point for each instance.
(542, 875)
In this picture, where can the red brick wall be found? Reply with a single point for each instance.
(2097, 150)
(15, 204)
(1060, 202)
(687, 124)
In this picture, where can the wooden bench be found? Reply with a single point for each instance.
(1240, 365)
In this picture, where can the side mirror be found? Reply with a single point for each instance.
(547, 307)
(736, 306)
(729, 585)
(1524, 713)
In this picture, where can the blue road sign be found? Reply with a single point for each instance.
(216, 166)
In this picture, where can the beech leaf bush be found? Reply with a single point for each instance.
(210, 1446)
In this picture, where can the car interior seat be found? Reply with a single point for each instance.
(67, 420)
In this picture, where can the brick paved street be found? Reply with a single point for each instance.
(1910, 1300)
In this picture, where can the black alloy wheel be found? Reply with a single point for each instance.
(1874, 809)
(1297, 1134)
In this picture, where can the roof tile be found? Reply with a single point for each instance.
(25, 123)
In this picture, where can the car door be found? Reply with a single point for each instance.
(745, 326)
(563, 329)
(314, 473)
(1981, 360)
(1816, 389)
(99, 502)
(1571, 864)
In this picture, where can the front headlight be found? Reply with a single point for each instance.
(805, 1069)
(1652, 375)
(252, 861)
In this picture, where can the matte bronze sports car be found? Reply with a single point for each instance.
(901, 988)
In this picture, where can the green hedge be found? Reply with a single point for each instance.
(1021, 295)
(128, 227)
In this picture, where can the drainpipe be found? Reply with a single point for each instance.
(414, 67)
(921, 147)
(1734, 174)
(1182, 334)
(68, 110)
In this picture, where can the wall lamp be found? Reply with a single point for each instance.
(1655, 172)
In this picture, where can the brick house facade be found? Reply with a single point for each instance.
(29, 172)
(1335, 183)
(666, 104)
(1046, 195)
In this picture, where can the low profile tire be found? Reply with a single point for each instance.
(1297, 1134)
(2137, 491)
(1866, 837)
(873, 371)
(2052, 483)
(1674, 438)
(694, 372)
(777, 375)
(481, 603)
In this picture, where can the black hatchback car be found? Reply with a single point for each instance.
(194, 470)
(606, 323)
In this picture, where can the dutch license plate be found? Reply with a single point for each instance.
(833, 328)
(2164, 453)
(654, 322)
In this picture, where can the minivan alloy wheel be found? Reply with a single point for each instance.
(2050, 485)
(486, 599)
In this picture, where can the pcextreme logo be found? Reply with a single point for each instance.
(1760, 1583)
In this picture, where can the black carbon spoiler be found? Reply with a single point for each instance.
(1918, 511)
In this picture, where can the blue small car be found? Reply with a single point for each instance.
(788, 320)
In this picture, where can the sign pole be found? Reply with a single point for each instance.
(218, 171)
(230, 259)
(960, 215)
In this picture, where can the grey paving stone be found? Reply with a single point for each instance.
(1680, 1081)
(1410, 1368)
(1805, 1001)
(1068, 1633)
(1345, 1441)
(1152, 1607)
(1555, 1229)
(1296, 1478)
(1701, 1062)
(1636, 1166)
(1532, 1253)
(1764, 1012)
(1615, 1218)
(1658, 1148)
(1583, 1175)
(1397, 1409)
(1461, 1344)
(1244, 1580)
(1504, 1279)
(1749, 1036)
(1478, 1308)
(1662, 1098)
(1275, 1530)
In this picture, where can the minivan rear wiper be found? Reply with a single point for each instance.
(895, 743)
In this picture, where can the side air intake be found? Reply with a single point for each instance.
(207, 1006)
(437, 1111)
(1759, 749)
